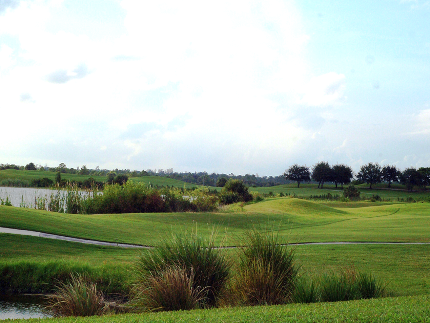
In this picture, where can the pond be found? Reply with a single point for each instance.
(22, 307)
(29, 196)
(24, 196)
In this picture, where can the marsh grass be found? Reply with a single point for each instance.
(206, 268)
(77, 297)
(349, 285)
(172, 290)
(267, 272)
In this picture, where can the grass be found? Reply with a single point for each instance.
(401, 309)
(31, 174)
(77, 297)
(294, 219)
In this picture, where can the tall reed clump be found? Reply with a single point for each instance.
(183, 273)
(349, 285)
(267, 272)
(78, 297)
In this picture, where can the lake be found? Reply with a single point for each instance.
(22, 307)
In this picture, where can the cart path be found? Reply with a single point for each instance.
(127, 245)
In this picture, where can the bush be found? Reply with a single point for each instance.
(234, 191)
(172, 290)
(267, 273)
(78, 297)
(351, 192)
(305, 292)
(207, 271)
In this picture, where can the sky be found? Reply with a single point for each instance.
(243, 87)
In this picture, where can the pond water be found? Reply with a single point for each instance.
(22, 307)
(24, 196)
(30, 196)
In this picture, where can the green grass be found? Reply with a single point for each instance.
(294, 219)
(34, 174)
(402, 309)
(163, 181)
(306, 190)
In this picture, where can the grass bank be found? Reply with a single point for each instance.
(401, 309)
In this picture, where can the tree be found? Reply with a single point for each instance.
(235, 190)
(390, 174)
(298, 174)
(58, 178)
(221, 182)
(351, 192)
(370, 173)
(321, 173)
(62, 168)
(411, 177)
(121, 179)
(342, 174)
(84, 170)
(425, 171)
(30, 166)
(111, 177)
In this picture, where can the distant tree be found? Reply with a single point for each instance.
(342, 174)
(425, 171)
(62, 168)
(390, 174)
(298, 174)
(121, 179)
(370, 174)
(111, 177)
(30, 166)
(221, 182)
(58, 178)
(84, 170)
(321, 173)
(411, 177)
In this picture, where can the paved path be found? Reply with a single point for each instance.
(126, 245)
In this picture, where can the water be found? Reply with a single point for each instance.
(24, 196)
(22, 307)
(27, 196)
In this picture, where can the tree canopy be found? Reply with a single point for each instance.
(321, 173)
(298, 174)
(390, 174)
(370, 174)
(342, 174)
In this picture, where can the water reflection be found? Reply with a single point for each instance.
(22, 307)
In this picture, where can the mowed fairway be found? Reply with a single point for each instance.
(403, 267)
(295, 220)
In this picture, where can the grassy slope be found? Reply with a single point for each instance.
(403, 268)
(404, 309)
(306, 190)
(296, 220)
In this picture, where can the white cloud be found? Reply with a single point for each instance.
(324, 90)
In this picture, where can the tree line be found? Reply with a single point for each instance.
(371, 173)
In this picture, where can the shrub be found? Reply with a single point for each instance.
(205, 267)
(235, 190)
(267, 272)
(172, 290)
(369, 287)
(78, 297)
(339, 287)
(305, 292)
(351, 192)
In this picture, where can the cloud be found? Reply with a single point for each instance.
(64, 76)
(8, 4)
(26, 97)
(421, 123)
(324, 90)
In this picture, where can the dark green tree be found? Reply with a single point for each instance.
(30, 166)
(121, 179)
(235, 190)
(370, 174)
(411, 177)
(390, 174)
(321, 173)
(342, 174)
(425, 171)
(58, 178)
(84, 170)
(351, 192)
(111, 177)
(62, 168)
(221, 182)
(298, 174)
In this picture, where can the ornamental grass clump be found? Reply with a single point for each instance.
(188, 262)
(267, 272)
(77, 297)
